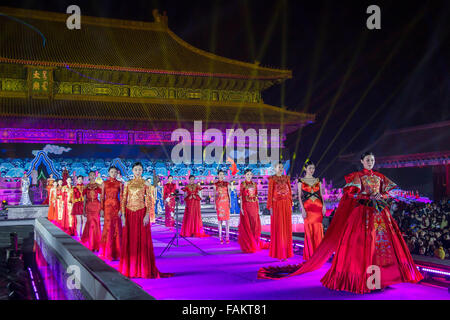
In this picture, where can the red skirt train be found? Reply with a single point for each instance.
(281, 230)
(192, 220)
(92, 232)
(137, 259)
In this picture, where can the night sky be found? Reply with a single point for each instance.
(349, 76)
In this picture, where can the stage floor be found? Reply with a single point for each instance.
(228, 274)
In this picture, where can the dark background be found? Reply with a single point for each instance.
(352, 78)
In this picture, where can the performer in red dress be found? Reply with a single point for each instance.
(59, 204)
(52, 209)
(50, 181)
(370, 251)
(65, 175)
(78, 204)
(192, 219)
(279, 202)
(312, 208)
(249, 222)
(222, 201)
(67, 194)
(112, 225)
(169, 202)
(92, 232)
(137, 259)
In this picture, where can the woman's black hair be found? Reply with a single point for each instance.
(170, 176)
(309, 163)
(80, 177)
(59, 180)
(191, 176)
(218, 172)
(367, 153)
(113, 167)
(136, 164)
(248, 170)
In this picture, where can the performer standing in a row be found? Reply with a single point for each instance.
(222, 201)
(110, 210)
(249, 222)
(312, 208)
(159, 206)
(67, 193)
(192, 219)
(137, 258)
(234, 204)
(92, 232)
(78, 205)
(52, 208)
(279, 202)
(169, 202)
(59, 204)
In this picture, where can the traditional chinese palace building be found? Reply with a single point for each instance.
(422, 153)
(123, 82)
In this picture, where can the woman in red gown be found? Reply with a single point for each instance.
(192, 219)
(59, 204)
(52, 209)
(279, 202)
(313, 210)
(112, 225)
(137, 259)
(92, 232)
(249, 221)
(49, 186)
(222, 201)
(78, 205)
(67, 194)
(370, 251)
(169, 202)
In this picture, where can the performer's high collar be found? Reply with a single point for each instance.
(367, 172)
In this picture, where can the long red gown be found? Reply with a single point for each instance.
(222, 200)
(48, 187)
(67, 219)
(363, 234)
(112, 224)
(137, 259)
(279, 199)
(192, 219)
(169, 206)
(59, 207)
(92, 232)
(312, 202)
(52, 209)
(249, 221)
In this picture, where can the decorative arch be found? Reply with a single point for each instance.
(42, 156)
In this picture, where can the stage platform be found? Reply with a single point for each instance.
(227, 273)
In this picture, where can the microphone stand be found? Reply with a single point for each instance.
(177, 234)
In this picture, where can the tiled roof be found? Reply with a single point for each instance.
(112, 43)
